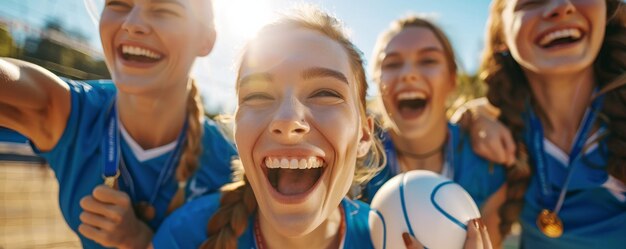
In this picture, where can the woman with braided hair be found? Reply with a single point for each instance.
(146, 135)
(556, 71)
(304, 138)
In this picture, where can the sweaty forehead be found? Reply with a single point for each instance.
(295, 48)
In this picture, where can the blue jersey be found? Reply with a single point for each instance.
(594, 210)
(187, 227)
(77, 159)
(479, 177)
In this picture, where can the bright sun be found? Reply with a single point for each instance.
(242, 18)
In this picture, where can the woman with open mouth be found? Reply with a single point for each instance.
(304, 138)
(415, 69)
(556, 72)
(146, 135)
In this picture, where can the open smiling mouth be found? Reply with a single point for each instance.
(560, 37)
(411, 104)
(139, 54)
(294, 175)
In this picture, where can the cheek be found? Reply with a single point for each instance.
(249, 125)
(337, 125)
(387, 79)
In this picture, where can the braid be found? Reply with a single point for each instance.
(231, 219)
(191, 151)
(510, 96)
(193, 146)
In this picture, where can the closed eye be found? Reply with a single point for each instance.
(165, 11)
(392, 65)
(529, 4)
(429, 61)
(326, 93)
(118, 5)
(254, 97)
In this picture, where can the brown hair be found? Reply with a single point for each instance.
(189, 160)
(238, 200)
(189, 163)
(509, 91)
(383, 40)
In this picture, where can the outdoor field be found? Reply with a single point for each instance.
(29, 210)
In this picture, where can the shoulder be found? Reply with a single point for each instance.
(186, 227)
(357, 215)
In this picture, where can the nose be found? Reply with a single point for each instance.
(135, 24)
(288, 124)
(559, 9)
(409, 73)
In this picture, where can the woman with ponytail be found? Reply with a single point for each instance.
(556, 71)
(145, 137)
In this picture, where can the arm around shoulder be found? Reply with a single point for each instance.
(33, 101)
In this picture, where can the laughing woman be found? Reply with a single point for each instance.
(146, 133)
(415, 68)
(300, 128)
(556, 71)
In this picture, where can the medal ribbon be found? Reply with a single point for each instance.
(112, 161)
(536, 137)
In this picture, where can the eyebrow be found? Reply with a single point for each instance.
(321, 72)
(423, 50)
(431, 49)
(255, 77)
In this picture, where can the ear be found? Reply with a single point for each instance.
(208, 41)
(367, 137)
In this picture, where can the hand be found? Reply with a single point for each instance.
(108, 218)
(477, 237)
(492, 140)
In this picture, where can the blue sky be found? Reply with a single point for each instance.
(462, 20)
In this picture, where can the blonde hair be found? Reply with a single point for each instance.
(238, 201)
(383, 40)
(509, 91)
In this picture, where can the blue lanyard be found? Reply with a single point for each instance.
(110, 145)
(113, 160)
(536, 136)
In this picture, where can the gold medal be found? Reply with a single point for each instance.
(145, 211)
(111, 180)
(549, 224)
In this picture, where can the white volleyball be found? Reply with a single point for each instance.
(431, 207)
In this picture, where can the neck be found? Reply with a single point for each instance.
(325, 236)
(562, 100)
(422, 152)
(153, 121)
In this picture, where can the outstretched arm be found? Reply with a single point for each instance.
(33, 102)
(490, 138)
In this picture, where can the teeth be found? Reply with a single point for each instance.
(132, 50)
(411, 95)
(563, 33)
(293, 163)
